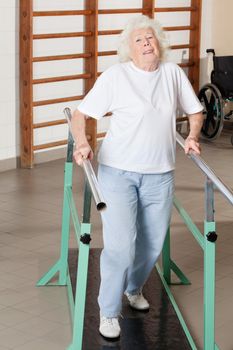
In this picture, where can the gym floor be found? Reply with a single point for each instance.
(30, 211)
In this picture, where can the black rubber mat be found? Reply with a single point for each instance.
(156, 329)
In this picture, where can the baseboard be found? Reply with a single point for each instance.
(9, 164)
(49, 155)
(39, 157)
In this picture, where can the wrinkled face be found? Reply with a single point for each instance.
(144, 47)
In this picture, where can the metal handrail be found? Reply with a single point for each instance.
(88, 170)
(224, 189)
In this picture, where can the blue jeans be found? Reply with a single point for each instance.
(134, 228)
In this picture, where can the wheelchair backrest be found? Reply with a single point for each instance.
(222, 75)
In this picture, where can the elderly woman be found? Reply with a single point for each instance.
(136, 161)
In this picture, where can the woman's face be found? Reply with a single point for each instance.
(144, 47)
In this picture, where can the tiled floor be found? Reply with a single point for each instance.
(30, 209)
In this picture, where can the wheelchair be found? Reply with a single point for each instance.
(215, 96)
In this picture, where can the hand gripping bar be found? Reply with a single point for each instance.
(88, 170)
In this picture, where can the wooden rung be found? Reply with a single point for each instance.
(118, 11)
(57, 100)
(61, 57)
(157, 9)
(109, 32)
(187, 64)
(184, 46)
(175, 9)
(118, 31)
(61, 35)
(107, 53)
(61, 78)
(181, 119)
(170, 29)
(51, 123)
(62, 13)
(101, 134)
(50, 145)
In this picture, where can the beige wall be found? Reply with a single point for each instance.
(222, 27)
(216, 32)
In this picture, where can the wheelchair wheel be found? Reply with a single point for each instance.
(211, 99)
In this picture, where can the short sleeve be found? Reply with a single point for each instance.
(98, 100)
(187, 98)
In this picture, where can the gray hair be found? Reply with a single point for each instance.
(138, 22)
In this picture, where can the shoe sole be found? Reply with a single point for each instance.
(112, 338)
(135, 308)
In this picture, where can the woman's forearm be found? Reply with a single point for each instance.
(195, 123)
(78, 125)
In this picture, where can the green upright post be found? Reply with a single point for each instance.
(61, 265)
(80, 295)
(210, 237)
(87, 203)
(209, 288)
(166, 258)
(65, 225)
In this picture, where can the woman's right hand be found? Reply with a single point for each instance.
(82, 152)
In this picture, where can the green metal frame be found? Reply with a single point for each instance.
(208, 246)
(77, 306)
(60, 268)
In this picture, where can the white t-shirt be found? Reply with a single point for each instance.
(142, 132)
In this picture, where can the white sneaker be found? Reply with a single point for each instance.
(137, 301)
(109, 327)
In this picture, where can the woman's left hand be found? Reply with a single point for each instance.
(192, 144)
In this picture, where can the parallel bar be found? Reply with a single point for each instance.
(61, 35)
(89, 172)
(61, 57)
(62, 13)
(224, 189)
(61, 78)
(51, 123)
(57, 100)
